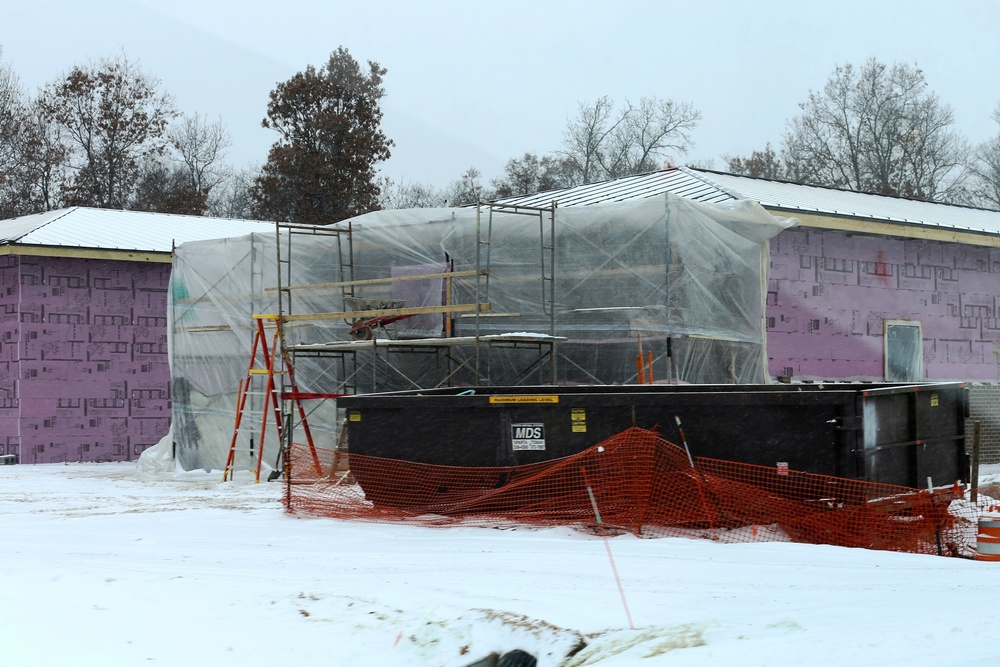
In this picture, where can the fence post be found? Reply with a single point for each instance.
(974, 495)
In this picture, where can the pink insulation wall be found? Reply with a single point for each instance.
(84, 374)
(10, 294)
(830, 293)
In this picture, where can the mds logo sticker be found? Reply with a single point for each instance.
(528, 437)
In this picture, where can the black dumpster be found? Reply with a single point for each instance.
(890, 433)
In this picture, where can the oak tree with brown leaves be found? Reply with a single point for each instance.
(322, 168)
(112, 118)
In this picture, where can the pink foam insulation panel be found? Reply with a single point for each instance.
(84, 374)
(830, 293)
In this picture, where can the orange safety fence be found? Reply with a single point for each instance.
(646, 485)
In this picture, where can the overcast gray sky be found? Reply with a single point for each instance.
(477, 83)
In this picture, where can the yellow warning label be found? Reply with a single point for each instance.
(524, 399)
(354, 416)
(578, 414)
(934, 400)
(579, 427)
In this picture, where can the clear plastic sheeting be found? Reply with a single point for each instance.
(683, 281)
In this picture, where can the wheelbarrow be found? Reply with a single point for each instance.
(363, 328)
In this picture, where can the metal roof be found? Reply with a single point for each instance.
(795, 197)
(681, 182)
(106, 229)
(137, 231)
(712, 186)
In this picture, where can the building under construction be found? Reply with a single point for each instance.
(661, 290)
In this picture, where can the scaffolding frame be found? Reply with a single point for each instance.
(349, 365)
(345, 354)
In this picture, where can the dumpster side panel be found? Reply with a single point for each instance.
(892, 434)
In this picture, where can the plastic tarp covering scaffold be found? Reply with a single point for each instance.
(688, 280)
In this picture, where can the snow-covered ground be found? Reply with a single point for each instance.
(102, 567)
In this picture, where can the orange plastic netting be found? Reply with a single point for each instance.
(639, 482)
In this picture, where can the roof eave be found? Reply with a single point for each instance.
(893, 228)
(116, 254)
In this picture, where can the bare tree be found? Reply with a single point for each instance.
(467, 190)
(43, 162)
(183, 182)
(13, 135)
(877, 129)
(394, 195)
(986, 170)
(233, 197)
(113, 117)
(604, 143)
(530, 174)
(201, 147)
(12, 103)
(583, 138)
(31, 152)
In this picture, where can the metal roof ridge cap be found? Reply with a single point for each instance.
(65, 212)
(708, 181)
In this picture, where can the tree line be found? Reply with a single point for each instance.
(603, 141)
(104, 134)
(879, 128)
(873, 128)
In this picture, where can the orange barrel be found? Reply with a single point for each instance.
(988, 539)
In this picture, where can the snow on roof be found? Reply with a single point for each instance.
(847, 203)
(82, 227)
(712, 186)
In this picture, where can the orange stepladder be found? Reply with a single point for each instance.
(268, 361)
